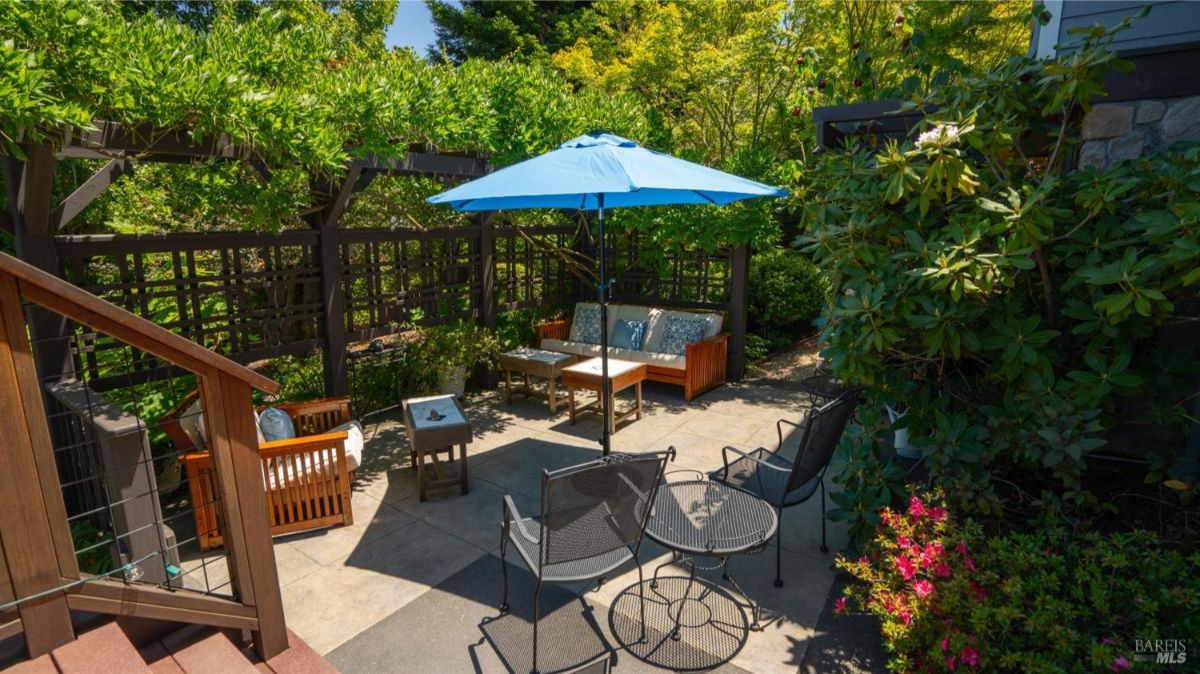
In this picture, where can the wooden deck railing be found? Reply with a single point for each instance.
(41, 573)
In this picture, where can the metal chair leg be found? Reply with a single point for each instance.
(642, 596)
(504, 570)
(779, 550)
(824, 547)
(537, 595)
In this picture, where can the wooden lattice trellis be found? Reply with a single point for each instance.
(259, 295)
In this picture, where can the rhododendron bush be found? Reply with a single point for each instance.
(1014, 307)
(952, 599)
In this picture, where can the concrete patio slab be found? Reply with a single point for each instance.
(411, 586)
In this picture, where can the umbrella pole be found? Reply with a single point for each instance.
(602, 289)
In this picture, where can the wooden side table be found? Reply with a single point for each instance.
(621, 373)
(436, 424)
(538, 363)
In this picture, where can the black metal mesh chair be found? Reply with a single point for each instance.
(592, 520)
(784, 483)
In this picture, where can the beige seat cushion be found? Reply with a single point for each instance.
(292, 469)
(675, 362)
(192, 423)
(657, 326)
(577, 348)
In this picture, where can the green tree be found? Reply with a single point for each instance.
(494, 30)
(742, 77)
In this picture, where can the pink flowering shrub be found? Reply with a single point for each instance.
(952, 600)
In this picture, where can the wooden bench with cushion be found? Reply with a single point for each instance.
(701, 366)
(306, 478)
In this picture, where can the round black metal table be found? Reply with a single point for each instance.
(822, 387)
(705, 519)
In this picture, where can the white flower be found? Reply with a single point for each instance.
(942, 133)
(850, 292)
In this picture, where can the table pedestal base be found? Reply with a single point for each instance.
(424, 482)
(723, 564)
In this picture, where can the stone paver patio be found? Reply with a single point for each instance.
(418, 583)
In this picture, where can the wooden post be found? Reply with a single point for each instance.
(35, 245)
(739, 298)
(584, 291)
(486, 300)
(32, 523)
(337, 382)
(229, 412)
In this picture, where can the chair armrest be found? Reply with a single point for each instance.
(779, 428)
(717, 344)
(725, 458)
(277, 448)
(553, 330)
(513, 517)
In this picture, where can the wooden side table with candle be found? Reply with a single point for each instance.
(436, 424)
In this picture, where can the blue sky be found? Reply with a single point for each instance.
(413, 27)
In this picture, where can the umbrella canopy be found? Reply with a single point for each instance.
(581, 169)
(594, 172)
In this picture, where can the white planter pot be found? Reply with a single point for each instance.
(900, 437)
(453, 380)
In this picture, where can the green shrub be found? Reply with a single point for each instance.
(381, 379)
(952, 599)
(1015, 309)
(787, 291)
(516, 328)
(300, 377)
(757, 347)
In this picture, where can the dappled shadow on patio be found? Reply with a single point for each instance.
(431, 567)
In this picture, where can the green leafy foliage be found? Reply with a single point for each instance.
(521, 29)
(786, 290)
(950, 598)
(1014, 309)
(292, 83)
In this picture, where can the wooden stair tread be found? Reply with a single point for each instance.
(195, 649)
(159, 659)
(39, 665)
(104, 649)
(201, 650)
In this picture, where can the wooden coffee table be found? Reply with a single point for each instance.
(538, 363)
(621, 373)
(429, 437)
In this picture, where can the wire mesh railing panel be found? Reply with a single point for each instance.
(137, 507)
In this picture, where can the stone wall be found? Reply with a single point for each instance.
(1114, 132)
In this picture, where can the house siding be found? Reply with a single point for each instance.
(1169, 25)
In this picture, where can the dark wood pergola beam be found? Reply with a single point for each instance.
(86, 193)
(112, 139)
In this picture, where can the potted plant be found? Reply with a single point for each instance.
(454, 348)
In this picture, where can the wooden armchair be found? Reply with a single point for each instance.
(306, 478)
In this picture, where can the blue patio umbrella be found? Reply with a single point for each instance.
(594, 172)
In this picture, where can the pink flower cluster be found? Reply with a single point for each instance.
(968, 656)
(923, 564)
